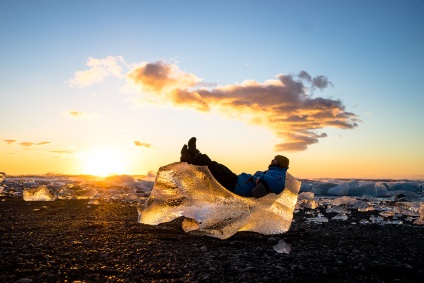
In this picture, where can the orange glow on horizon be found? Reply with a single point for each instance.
(103, 163)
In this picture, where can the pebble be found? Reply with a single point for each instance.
(247, 269)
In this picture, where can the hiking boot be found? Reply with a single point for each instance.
(184, 154)
(192, 147)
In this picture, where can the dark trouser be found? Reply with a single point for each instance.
(220, 172)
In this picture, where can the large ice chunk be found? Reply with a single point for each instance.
(209, 209)
(356, 188)
(41, 193)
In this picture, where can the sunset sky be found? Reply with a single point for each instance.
(100, 87)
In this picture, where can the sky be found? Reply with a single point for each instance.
(118, 87)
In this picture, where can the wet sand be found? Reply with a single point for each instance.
(71, 241)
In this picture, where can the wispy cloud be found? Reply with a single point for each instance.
(30, 144)
(82, 115)
(286, 104)
(26, 144)
(142, 144)
(98, 69)
(62, 151)
(10, 141)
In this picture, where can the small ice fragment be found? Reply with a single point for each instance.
(94, 201)
(337, 209)
(282, 247)
(318, 219)
(410, 213)
(306, 203)
(376, 219)
(340, 217)
(420, 221)
(366, 208)
(345, 200)
(143, 186)
(2, 176)
(306, 195)
(41, 193)
(85, 194)
(386, 213)
(364, 221)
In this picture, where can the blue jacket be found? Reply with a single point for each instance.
(274, 177)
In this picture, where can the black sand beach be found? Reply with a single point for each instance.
(71, 241)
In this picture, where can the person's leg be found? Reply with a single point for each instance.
(220, 172)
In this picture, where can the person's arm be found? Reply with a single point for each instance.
(276, 183)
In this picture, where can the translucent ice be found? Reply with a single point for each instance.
(2, 176)
(209, 209)
(94, 201)
(282, 247)
(342, 217)
(306, 200)
(345, 200)
(85, 194)
(319, 219)
(420, 221)
(41, 193)
(356, 188)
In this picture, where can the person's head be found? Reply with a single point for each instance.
(280, 161)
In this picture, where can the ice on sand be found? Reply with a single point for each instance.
(282, 247)
(41, 193)
(209, 209)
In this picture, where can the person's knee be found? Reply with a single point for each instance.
(259, 191)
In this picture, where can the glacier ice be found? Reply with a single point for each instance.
(190, 191)
(40, 193)
(363, 188)
(356, 188)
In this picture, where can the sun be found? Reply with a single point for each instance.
(103, 163)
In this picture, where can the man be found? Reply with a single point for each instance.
(257, 185)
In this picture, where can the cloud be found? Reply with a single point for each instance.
(27, 144)
(82, 115)
(142, 144)
(30, 144)
(61, 151)
(285, 104)
(99, 69)
(160, 77)
(319, 82)
(10, 141)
